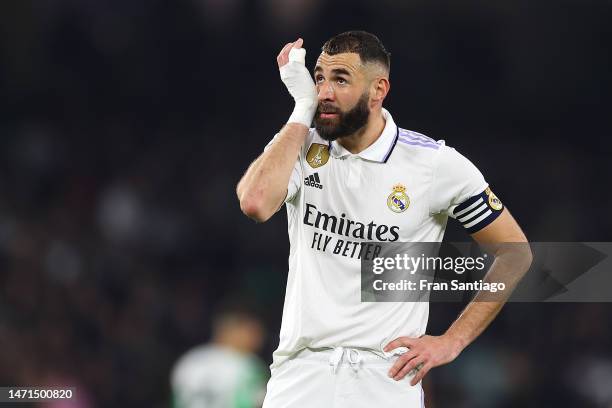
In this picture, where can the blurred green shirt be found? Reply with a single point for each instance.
(217, 377)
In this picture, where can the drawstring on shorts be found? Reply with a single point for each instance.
(353, 356)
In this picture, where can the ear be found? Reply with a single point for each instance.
(379, 89)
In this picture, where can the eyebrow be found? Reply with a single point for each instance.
(337, 71)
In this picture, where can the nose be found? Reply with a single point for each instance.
(326, 91)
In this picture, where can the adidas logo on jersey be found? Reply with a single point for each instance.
(313, 181)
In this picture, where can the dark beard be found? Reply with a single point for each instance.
(346, 124)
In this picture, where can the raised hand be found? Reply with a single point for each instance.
(299, 83)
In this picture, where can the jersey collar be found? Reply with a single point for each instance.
(380, 150)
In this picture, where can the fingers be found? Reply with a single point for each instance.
(283, 55)
(415, 362)
(401, 363)
(285, 49)
(425, 353)
(400, 342)
(413, 366)
(421, 373)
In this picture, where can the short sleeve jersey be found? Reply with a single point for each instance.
(402, 188)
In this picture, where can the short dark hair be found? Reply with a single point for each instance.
(368, 46)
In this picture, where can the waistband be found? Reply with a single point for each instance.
(353, 356)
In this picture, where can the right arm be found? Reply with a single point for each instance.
(263, 187)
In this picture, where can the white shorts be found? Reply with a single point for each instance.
(340, 378)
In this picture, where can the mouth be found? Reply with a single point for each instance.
(326, 111)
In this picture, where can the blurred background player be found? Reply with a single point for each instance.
(225, 373)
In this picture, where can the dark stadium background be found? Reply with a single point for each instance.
(125, 125)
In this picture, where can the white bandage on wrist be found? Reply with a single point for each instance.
(297, 55)
(300, 85)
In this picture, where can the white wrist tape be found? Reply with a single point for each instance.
(300, 85)
(298, 55)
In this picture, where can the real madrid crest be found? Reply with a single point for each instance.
(494, 202)
(398, 201)
(317, 155)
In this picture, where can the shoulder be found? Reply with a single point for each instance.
(203, 360)
(188, 363)
(418, 143)
(418, 148)
(438, 151)
(194, 355)
(208, 354)
(433, 156)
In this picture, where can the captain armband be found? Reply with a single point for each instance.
(478, 211)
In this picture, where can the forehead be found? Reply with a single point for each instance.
(349, 61)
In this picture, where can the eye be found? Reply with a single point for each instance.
(341, 81)
(319, 78)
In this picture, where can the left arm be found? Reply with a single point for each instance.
(511, 263)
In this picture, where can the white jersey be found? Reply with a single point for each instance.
(402, 188)
(218, 377)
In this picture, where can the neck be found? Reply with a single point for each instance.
(230, 341)
(363, 138)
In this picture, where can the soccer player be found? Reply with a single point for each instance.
(225, 373)
(354, 178)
